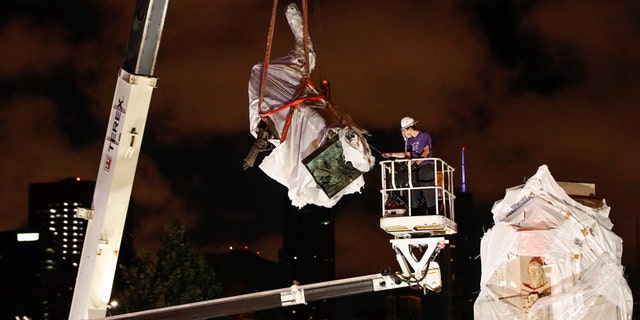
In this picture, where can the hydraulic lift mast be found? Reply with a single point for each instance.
(121, 150)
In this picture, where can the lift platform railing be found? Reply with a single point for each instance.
(399, 180)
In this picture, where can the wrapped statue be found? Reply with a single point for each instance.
(315, 151)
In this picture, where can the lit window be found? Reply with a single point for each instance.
(30, 236)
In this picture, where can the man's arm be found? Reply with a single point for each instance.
(394, 155)
(424, 154)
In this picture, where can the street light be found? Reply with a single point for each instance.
(112, 305)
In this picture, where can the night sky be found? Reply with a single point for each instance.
(519, 83)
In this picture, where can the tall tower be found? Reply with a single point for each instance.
(51, 213)
(459, 264)
(20, 257)
(52, 209)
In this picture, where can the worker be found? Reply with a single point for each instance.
(418, 146)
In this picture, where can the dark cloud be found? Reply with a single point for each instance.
(537, 64)
(473, 118)
(206, 169)
(64, 81)
(70, 97)
(500, 23)
(78, 20)
(73, 117)
(519, 83)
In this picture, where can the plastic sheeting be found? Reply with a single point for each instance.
(551, 257)
(311, 123)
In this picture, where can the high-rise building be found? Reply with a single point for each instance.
(20, 257)
(52, 209)
(308, 252)
(459, 265)
(242, 271)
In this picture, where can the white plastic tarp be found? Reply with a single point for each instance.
(551, 257)
(309, 127)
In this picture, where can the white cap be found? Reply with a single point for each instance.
(407, 122)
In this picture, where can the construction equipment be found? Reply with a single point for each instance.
(420, 234)
(107, 216)
(120, 154)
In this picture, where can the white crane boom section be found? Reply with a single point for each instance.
(111, 198)
(117, 169)
(294, 295)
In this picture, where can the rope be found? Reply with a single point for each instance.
(267, 55)
(265, 65)
(305, 29)
(292, 106)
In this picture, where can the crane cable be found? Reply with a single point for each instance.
(267, 55)
(294, 104)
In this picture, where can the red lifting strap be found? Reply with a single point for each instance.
(267, 55)
(293, 104)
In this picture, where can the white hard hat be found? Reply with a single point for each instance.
(407, 122)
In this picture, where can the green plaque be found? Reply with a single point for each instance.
(329, 169)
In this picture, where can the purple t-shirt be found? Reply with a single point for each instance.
(416, 145)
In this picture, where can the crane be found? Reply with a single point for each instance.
(107, 215)
(120, 153)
